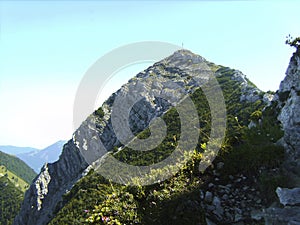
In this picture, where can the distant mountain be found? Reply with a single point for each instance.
(37, 158)
(13, 150)
(17, 166)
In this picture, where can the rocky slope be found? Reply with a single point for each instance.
(46, 190)
(226, 198)
(288, 100)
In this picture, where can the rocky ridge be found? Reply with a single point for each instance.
(171, 78)
(238, 201)
(288, 99)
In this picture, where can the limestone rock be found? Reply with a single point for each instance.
(208, 197)
(289, 114)
(45, 193)
(279, 216)
(292, 75)
(288, 196)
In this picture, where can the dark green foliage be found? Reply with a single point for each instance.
(293, 42)
(10, 199)
(182, 209)
(94, 200)
(99, 112)
(17, 166)
(268, 183)
(87, 193)
(118, 208)
(249, 158)
(256, 115)
(256, 147)
(143, 158)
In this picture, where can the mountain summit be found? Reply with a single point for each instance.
(222, 193)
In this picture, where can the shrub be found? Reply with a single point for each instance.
(118, 208)
(256, 115)
(99, 112)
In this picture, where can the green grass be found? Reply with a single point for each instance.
(13, 178)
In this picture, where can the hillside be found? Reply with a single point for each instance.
(17, 166)
(14, 179)
(10, 199)
(235, 185)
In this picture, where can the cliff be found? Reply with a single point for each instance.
(288, 100)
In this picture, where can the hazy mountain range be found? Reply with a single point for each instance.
(33, 157)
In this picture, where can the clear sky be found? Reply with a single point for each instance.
(47, 46)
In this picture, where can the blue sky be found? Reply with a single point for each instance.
(47, 46)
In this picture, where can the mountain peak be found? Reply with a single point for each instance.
(184, 57)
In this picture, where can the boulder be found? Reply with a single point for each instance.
(288, 196)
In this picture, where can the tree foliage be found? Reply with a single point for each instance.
(293, 42)
(10, 199)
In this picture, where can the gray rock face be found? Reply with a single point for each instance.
(288, 196)
(288, 98)
(290, 113)
(292, 75)
(45, 193)
(249, 92)
(279, 216)
(268, 98)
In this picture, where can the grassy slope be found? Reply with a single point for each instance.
(17, 166)
(13, 178)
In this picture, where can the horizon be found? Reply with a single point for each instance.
(47, 48)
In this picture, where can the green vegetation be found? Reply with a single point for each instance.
(118, 208)
(17, 166)
(95, 200)
(14, 179)
(10, 199)
(256, 115)
(99, 112)
(293, 42)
